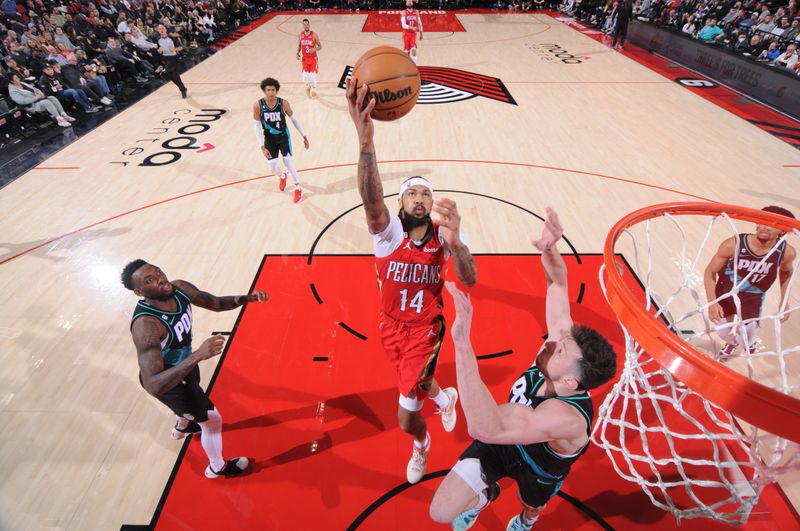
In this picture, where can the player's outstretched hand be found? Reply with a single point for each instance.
(305, 142)
(551, 233)
(461, 326)
(360, 107)
(449, 220)
(211, 347)
(255, 296)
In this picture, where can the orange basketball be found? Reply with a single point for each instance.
(393, 81)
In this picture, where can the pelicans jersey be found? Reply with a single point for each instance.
(752, 292)
(413, 25)
(308, 51)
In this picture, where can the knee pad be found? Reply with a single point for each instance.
(410, 404)
(470, 471)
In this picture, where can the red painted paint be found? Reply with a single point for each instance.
(323, 436)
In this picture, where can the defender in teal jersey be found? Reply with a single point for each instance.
(544, 427)
(272, 133)
(162, 332)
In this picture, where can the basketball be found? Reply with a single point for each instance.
(393, 81)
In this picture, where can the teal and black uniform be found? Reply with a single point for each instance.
(538, 470)
(276, 130)
(187, 399)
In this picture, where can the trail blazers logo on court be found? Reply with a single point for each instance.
(445, 85)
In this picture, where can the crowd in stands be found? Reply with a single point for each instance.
(764, 31)
(61, 57)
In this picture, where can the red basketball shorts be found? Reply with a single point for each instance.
(413, 350)
(310, 64)
(409, 40)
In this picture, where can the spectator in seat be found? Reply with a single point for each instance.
(766, 26)
(689, 28)
(748, 23)
(33, 100)
(52, 85)
(788, 58)
(771, 53)
(792, 31)
(125, 62)
(710, 32)
(73, 76)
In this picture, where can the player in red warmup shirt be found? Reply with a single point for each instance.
(308, 45)
(411, 253)
(411, 21)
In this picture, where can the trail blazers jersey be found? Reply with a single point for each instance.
(178, 344)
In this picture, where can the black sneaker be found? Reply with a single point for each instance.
(233, 467)
(180, 433)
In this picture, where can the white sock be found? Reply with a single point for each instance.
(211, 439)
(423, 445)
(313, 80)
(287, 161)
(274, 167)
(414, 58)
(442, 399)
(305, 79)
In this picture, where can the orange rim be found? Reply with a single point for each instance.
(744, 398)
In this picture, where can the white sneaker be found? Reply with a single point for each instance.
(62, 122)
(313, 93)
(416, 465)
(449, 413)
(67, 117)
(105, 101)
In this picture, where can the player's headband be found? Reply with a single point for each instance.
(414, 181)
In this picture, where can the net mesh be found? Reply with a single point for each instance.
(690, 456)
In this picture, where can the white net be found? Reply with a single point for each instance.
(690, 456)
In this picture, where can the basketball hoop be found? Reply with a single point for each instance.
(701, 438)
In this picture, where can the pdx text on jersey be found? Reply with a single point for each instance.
(413, 273)
(184, 325)
(760, 270)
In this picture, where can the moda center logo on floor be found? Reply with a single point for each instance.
(181, 132)
(448, 85)
(555, 53)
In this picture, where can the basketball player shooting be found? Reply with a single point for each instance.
(723, 271)
(546, 424)
(308, 44)
(411, 252)
(411, 22)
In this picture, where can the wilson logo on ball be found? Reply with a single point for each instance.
(447, 85)
(386, 95)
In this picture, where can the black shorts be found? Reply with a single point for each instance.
(278, 144)
(188, 399)
(503, 461)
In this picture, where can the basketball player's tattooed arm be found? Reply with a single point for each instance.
(369, 180)
(214, 303)
(147, 333)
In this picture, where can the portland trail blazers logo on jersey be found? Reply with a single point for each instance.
(445, 85)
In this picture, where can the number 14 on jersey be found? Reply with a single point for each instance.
(416, 301)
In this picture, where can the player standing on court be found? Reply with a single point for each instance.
(544, 427)
(161, 327)
(411, 252)
(411, 21)
(308, 45)
(272, 133)
(725, 269)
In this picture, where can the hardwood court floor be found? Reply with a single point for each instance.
(83, 447)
